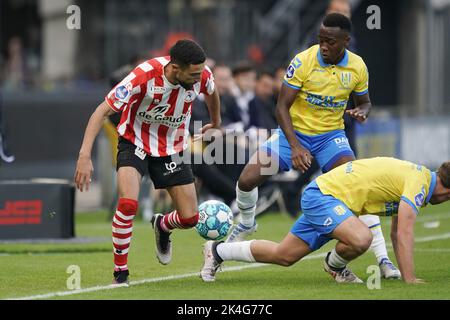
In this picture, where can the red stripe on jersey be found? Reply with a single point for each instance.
(162, 130)
(179, 136)
(155, 64)
(145, 131)
(133, 104)
(205, 76)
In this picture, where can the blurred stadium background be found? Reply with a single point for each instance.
(52, 77)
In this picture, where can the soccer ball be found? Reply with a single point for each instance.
(215, 220)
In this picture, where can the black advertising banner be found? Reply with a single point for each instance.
(36, 209)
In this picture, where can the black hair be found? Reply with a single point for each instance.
(242, 67)
(187, 52)
(338, 20)
(444, 174)
(262, 73)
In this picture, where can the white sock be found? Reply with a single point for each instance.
(247, 205)
(237, 251)
(336, 261)
(378, 245)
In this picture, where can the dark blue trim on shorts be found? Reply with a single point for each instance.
(335, 158)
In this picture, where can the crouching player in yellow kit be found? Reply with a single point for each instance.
(331, 205)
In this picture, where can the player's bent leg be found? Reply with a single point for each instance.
(185, 216)
(354, 239)
(378, 246)
(286, 253)
(128, 180)
(250, 179)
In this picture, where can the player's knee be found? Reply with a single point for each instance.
(286, 262)
(189, 222)
(362, 243)
(127, 205)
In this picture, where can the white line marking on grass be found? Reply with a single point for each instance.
(444, 250)
(195, 274)
(151, 280)
(432, 238)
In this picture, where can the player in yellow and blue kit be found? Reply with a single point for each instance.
(331, 204)
(310, 111)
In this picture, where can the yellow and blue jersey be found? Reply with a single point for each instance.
(324, 89)
(377, 185)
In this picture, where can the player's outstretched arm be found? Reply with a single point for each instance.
(405, 242)
(301, 158)
(84, 169)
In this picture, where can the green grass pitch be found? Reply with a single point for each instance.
(40, 270)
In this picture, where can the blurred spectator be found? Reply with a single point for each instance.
(244, 76)
(262, 106)
(4, 152)
(278, 82)
(171, 39)
(14, 71)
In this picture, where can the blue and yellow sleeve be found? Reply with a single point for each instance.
(414, 193)
(362, 87)
(295, 74)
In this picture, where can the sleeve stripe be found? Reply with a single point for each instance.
(410, 203)
(291, 85)
(111, 106)
(361, 93)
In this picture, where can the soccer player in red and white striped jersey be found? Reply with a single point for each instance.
(155, 102)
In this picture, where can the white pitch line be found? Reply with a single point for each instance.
(188, 275)
(433, 250)
(151, 280)
(432, 238)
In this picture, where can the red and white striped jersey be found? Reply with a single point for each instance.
(156, 113)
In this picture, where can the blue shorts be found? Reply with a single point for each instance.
(326, 148)
(321, 215)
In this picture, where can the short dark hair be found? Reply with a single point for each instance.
(338, 20)
(444, 174)
(186, 52)
(264, 73)
(242, 67)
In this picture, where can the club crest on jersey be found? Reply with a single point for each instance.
(122, 92)
(346, 78)
(189, 96)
